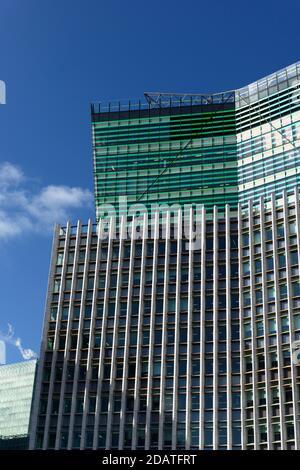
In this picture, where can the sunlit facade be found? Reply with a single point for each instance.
(183, 152)
(16, 390)
(268, 135)
(160, 343)
(215, 149)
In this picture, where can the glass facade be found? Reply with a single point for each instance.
(207, 149)
(16, 390)
(268, 135)
(182, 153)
(154, 343)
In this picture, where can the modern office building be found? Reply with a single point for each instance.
(180, 152)
(162, 343)
(16, 391)
(212, 149)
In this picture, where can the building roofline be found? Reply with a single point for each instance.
(152, 100)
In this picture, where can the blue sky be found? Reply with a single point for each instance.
(59, 55)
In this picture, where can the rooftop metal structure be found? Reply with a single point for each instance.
(153, 100)
(158, 99)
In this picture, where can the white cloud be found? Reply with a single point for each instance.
(8, 226)
(10, 174)
(9, 338)
(24, 209)
(54, 202)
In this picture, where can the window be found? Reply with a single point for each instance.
(183, 335)
(62, 342)
(281, 261)
(246, 298)
(85, 341)
(171, 304)
(148, 277)
(222, 399)
(285, 324)
(169, 369)
(257, 265)
(104, 403)
(158, 336)
(136, 278)
(268, 234)
(295, 289)
(272, 326)
(156, 368)
(64, 313)
(273, 359)
(245, 239)
(101, 282)
(60, 258)
(159, 305)
(271, 293)
(297, 321)
(258, 296)
(250, 435)
(53, 313)
(88, 311)
(113, 280)
(290, 431)
(261, 396)
(259, 328)
(286, 358)
(181, 401)
(111, 309)
(249, 398)
(236, 402)
(70, 257)
(182, 367)
(209, 244)
(97, 341)
(183, 303)
(102, 437)
(283, 291)
(256, 237)
(222, 366)
(276, 432)
(247, 330)
(184, 275)
(133, 338)
(235, 331)
(135, 308)
(79, 405)
(294, 257)
(270, 263)
(70, 372)
(76, 313)
(56, 286)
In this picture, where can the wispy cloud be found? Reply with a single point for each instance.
(10, 174)
(9, 338)
(25, 209)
